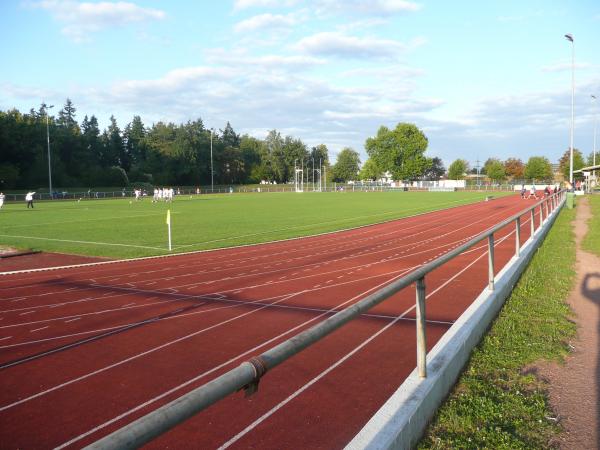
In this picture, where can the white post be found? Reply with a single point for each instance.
(169, 226)
(491, 262)
(594, 147)
(570, 38)
(518, 237)
(421, 327)
(49, 166)
(321, 175)
(212, 172)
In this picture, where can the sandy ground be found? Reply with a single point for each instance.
(575, 386)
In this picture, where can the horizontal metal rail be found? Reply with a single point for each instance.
(248, 374)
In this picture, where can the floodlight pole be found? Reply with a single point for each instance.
(313, 173)
(570, 39)
(212, 172)
(594, 99)
(48, 141)
(320, 175)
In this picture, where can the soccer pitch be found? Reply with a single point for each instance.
(122, 228)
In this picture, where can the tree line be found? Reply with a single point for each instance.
(191, 154)
(160, 154)
(536, 168)
(82, 155)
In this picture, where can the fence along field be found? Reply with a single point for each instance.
(122, 228)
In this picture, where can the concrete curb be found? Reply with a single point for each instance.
(401, 421)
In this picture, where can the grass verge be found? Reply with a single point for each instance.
(591, 242)
(496, 403)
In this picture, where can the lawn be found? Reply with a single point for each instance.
(121, 228)
(591, 243)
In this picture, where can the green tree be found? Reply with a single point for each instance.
(495, 170)
(538, 168)
(487, 164)
(229, 137)
(292, 150)
(134, 138)
(66, 116)
(436, 170)
(564, 163)
(274, 165)
(251, 149)
(458, 169)
(400, 151)
(321, 154)
(370, 171)
(347, 165)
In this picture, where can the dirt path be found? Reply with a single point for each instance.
(575, 386)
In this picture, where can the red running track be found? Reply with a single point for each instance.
(86, 350)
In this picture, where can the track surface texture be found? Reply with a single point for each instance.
(86, 350)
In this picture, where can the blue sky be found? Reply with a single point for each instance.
(481, 79)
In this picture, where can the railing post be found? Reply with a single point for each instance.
(532, 221)
(491, 261)
(421, 338)
(518, 237)
(547, 209)
(541, 216)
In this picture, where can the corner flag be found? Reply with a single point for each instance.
(168, 222)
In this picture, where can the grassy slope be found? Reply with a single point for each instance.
(591, 243)
(209, 221)
(495, 404)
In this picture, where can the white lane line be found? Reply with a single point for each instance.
(4, 338)
(85, 242)
(139, 355)
(338, 362)
(28, 312)
(72, 320)
(228, 362)
(311, 382)
(128, 304)
(117, 418)
(38, 329)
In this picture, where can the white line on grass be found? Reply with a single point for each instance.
(84, 220)
(84, 242)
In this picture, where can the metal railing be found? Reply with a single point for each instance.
(248, 374)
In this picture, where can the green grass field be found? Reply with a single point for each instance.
(591, 243)
(120, 229)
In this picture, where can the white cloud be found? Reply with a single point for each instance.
(565, 66)
(268, 21)
(511, 18)
(80, 19)
(241, 58)
(344, 46)
(245, 4)
(178, 80)
(367, 7)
